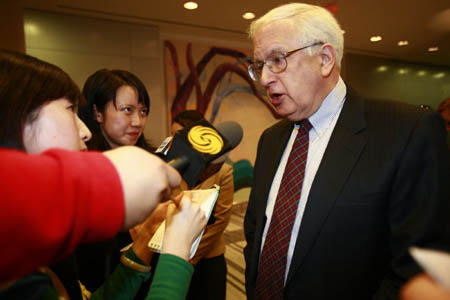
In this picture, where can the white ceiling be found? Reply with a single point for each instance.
(423, 23)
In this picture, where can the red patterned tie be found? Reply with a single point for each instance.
(272, 264)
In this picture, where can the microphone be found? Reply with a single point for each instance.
(179, 163)
(198, 145)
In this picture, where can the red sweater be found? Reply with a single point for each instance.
(52, 202)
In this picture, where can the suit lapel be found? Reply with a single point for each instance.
(343, 150)
(270, 159)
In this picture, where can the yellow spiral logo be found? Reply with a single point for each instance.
(205, 139)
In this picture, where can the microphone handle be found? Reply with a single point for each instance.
(179, 163)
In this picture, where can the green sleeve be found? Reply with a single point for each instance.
(172, 278)
(124, 282)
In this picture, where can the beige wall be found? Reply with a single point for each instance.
(82, 45)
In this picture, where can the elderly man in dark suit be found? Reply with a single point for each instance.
(343, 185)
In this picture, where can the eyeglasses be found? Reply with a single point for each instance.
(276, 63)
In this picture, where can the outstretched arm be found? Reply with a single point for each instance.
(54, 201)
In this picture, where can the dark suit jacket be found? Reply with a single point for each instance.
(382, 185)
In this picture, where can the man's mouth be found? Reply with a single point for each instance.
(276, 98)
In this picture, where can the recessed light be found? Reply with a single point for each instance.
(402, 43)
(402, 71)
(248, 15)
(421, 73)
(375, 38)
(433, 49)
(190, 5)
(382, 69)
(31, 29)
(439, 75)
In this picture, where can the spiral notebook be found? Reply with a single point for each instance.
(206, 199)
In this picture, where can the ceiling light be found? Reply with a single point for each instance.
(402, 43)
(190, 5)
(31, 29)
(382, 69)
(248, 15)
(433, 49)
(421, 73)
(439, 75)
(375, 38)
(402, 71)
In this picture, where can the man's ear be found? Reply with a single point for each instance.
(97, 114)
(328, 59)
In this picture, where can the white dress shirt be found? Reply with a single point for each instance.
(323, 122)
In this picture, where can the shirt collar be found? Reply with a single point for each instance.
(330, 106)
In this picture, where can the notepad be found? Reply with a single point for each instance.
(206, 199)
(435, 263)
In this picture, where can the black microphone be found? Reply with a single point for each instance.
(198, 145)
(179, 163)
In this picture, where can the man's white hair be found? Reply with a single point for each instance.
(314, 24)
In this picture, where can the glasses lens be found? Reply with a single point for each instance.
(253, 71)
(277, 64)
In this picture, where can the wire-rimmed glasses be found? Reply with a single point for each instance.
(276, 62)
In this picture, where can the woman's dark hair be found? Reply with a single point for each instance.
(99, 89)
(27, 83)
(188, 117)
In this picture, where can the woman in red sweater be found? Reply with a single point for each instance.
(39, 103)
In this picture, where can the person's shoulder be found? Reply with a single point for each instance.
(226, 170)
(397, 113)
(381, 108)
(398, 106)
(226, 166)
(279, 127)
